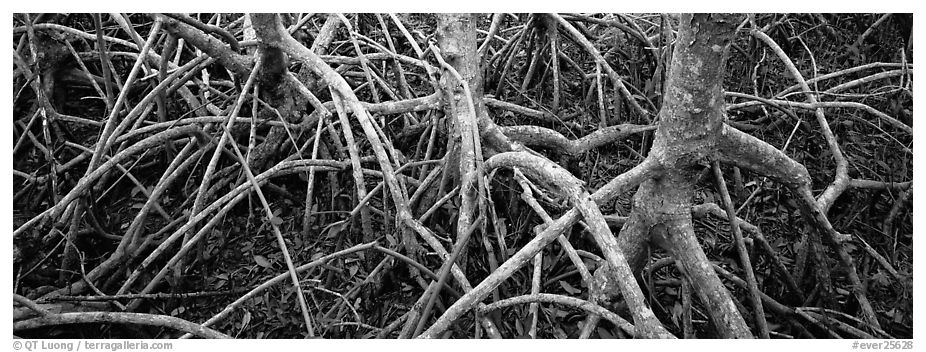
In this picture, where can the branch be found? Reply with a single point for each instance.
(226, 56)
(841, 179)
(566, 301)
(590, 48)
(749, 152)
(543, 137)
(759, 313)
(702, 210)
(120, 318)
(843, 73)
(271, 31)
(624, 182)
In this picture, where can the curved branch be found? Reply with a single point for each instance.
(566, 301)
(237, 63)
(544, 137)
(841, 179)
(751, 153)
(208, 28)
(842, 73)
(867, 79)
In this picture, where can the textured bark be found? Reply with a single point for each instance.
(691, 120)
(237, 63)
(281, 94)
(562, 181)
(119, 318)
(531, 135)
(456, 36)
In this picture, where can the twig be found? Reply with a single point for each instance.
(888, 226)
(151, 296)
(761, 323)
(871, 29)
(880, 259)
(535, 290)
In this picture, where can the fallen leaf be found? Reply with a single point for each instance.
(262, 261)
(245, 320)
(566, 286)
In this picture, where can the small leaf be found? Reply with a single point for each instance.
(245, 320)
(566, 286)
(262, 261)
(335, 229)
(276, 221)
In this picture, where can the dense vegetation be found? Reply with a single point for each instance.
(123, 203)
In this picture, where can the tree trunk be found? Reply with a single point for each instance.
(691, 119)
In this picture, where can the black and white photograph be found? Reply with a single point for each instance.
(470, 175)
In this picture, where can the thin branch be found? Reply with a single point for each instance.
(566, 301)
(759, 313)
(119, 318)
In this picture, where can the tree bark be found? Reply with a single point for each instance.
(691, 120)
